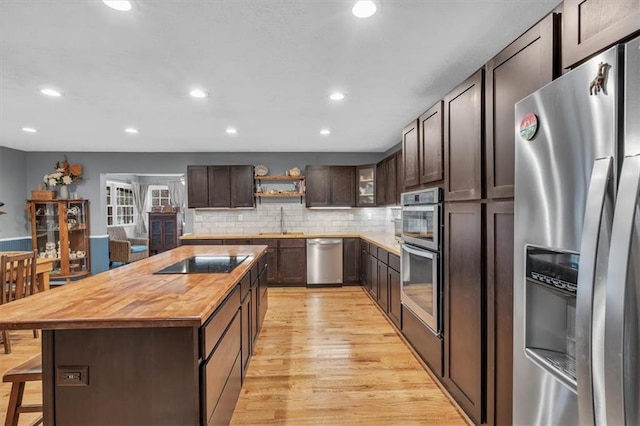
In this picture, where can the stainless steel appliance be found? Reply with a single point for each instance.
(577, 246)
(420, 253)
(324, 261)
(421, 218)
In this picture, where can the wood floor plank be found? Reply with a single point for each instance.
(328, 356)
(324, 356)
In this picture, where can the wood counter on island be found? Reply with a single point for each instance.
(128, 347)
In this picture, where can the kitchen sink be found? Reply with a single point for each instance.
(281, 233)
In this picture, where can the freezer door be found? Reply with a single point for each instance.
(553, 170)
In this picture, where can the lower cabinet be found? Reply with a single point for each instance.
(351, 260)
(393, 280)
(287, 260)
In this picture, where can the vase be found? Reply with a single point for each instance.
(64, 192)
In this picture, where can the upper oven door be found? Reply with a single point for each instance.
(420, 290)
(420, 225)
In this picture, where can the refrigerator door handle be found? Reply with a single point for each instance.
(595, 232)
(621, 314)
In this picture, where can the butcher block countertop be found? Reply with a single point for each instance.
(382, 239)
(131, 296)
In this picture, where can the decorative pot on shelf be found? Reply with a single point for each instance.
(64, 192)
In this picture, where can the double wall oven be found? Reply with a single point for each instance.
(421, 255)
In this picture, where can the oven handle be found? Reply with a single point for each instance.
(421, 253)
(422, 208)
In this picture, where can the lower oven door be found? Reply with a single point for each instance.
(421, 284)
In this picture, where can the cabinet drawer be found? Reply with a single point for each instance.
(383, 255)
(262, 264)
(215, 326)
(228, 398)
(293, 242)
(394, 262)
(203, 242)
(245, 284)
(237, 242)
(254, 274)
(269, 242)
(218, 369)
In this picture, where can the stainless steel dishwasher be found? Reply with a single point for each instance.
(324, 261)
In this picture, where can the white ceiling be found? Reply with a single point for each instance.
(269, 66)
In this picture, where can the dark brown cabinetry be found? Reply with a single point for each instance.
(387, 181)
(399, 177)
(365, 276)
(393, 281)
(330, 186)
(522, 68)
(463, 140)
(164, 231)
(292, 261)
(220, 186)
(411, 155)
(426, 344)
(499, 312)
(464, 299)
(350, 260)
(383, 286)
(366, 185)
(593, 25)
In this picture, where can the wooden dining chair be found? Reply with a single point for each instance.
(18, 279)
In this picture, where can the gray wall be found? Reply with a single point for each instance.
(98, 164)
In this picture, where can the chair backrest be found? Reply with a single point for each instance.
(18, 275)
(117, 233)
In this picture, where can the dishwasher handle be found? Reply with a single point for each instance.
(323, 241)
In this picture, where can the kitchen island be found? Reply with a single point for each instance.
(129, 347)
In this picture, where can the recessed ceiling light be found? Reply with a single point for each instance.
(325, 132)
(50, 92)
(364, 9)
(131, 130)
(29, 130)
(231, 131)
(198, 93)
(336, 96)
(121, 5)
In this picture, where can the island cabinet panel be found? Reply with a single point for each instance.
(463, 140)
(245, 322)
(523, 67)
(135, 376)
(410, 155)
(263, 293)
(464, 299)
(591, 26)
(351, 260)
(218, 322)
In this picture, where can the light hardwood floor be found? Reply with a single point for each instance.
(324, 356)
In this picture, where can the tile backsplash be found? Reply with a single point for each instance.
(295, 218)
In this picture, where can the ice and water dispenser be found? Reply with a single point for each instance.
(550, 323)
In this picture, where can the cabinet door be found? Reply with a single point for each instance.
(197, 187)
(499, 312)
(351, 260)
(373, 275)
(592, 25)
(364, 265)
(366, 186)
(245, 332)
(390, 184)
(395, 307)
(343, 186)
(381, 183)
(464, 301)
(523, 67)
(463, 140)
(317, 186)
(411, 155)
(431, 144)
(399, 177)
(219, 186)
(292, 261)
(383, 286)
(242, 186)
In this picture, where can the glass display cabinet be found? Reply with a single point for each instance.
(60, 231)
(366, 186)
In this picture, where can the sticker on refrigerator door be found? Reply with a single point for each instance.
(528, 126)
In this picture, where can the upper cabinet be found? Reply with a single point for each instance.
(593, 25)
(366, 176)
(220, 186)
(387, 177)
(463, 140)
(431, 144)
(521, 68)
(411, 155)
(330, 186)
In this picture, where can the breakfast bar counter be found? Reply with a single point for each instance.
(131, 347)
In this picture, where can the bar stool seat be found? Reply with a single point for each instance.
(28, 371)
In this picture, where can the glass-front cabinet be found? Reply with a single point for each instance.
(366, 196)
(60, 231)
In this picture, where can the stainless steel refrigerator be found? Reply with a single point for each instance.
(576, 341)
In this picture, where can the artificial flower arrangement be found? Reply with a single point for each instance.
(64, 174)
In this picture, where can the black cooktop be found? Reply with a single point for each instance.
(204, 264)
